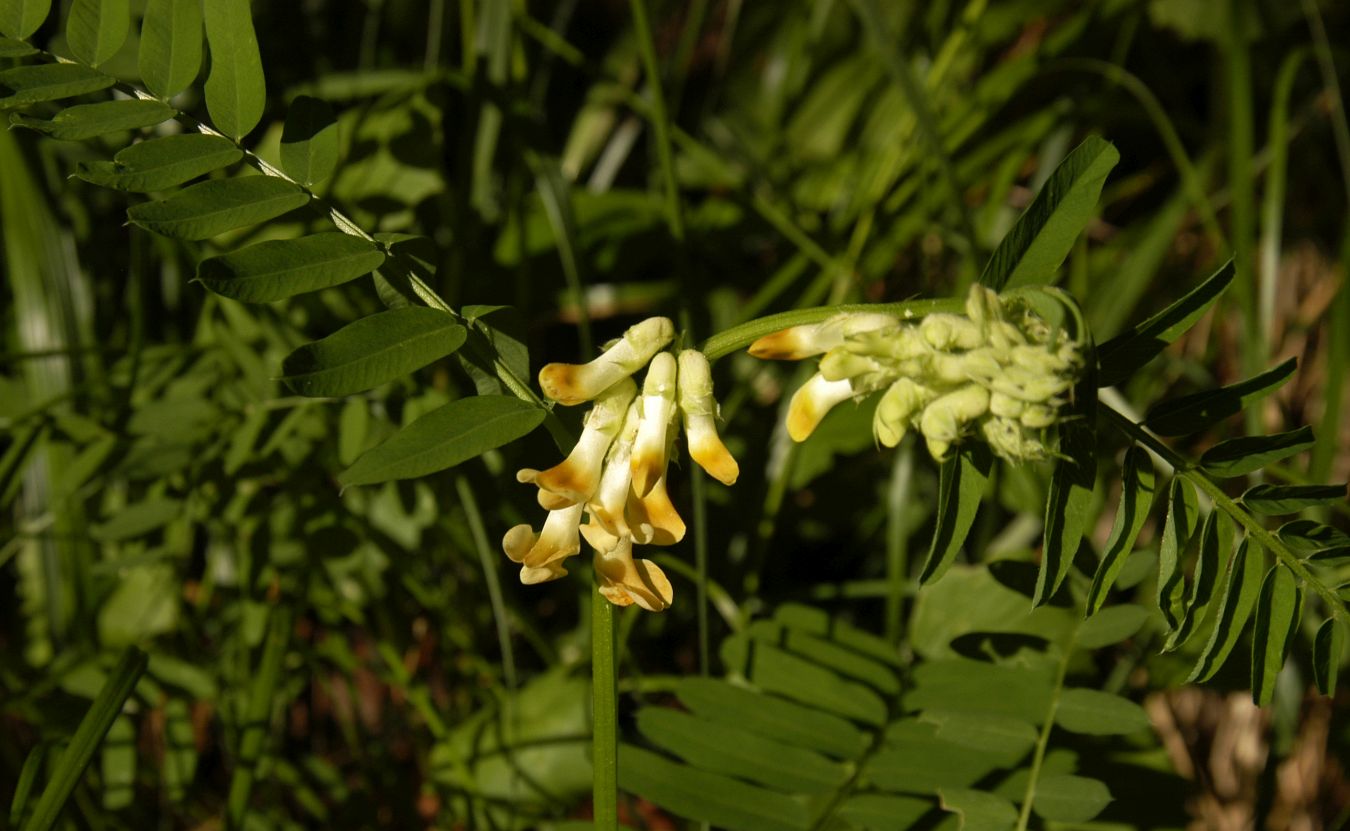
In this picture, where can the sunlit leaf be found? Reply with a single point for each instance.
(171, 45)
(161, 163)
(309, 141)
(1242, 585)
(1194, 413)
(1213, 538)
(49, 82)
(21, 18)
(1097, 713)
(710, 797)
(1306, 536)
(1277, 613)
(277, 269)
(1119, 357)
(1067, 798)
(961, 487)
(1289, 499)
(371, 351)
(979, 811)
(1240, 456)
(445, 437)
(235, 90)
(85, 121)
(1328, 647)
(96, 29)
(1137, 488)
(1045, 233)
(209, 208)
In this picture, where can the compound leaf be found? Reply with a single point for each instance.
(171, 45)
(1240, 456)
(1277, 612)
(235, 89)
(161, 163)
(85, 121)
(277, 269)
(96, 29)
(209, 208)
(1194, 413)
(371, 351)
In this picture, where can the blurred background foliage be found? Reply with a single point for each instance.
(362, 658)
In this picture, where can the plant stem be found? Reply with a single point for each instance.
(1043, 740)
(897, 536)
(494, 586)
(605, 721)
(660, 117)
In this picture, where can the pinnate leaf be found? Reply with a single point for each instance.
(85, 121)
(1111, 625)
(1242, 585)
(1289, 499)
(49, 82)
(1137, 488)
(1305, 536)
(209, 208)
(1066, 798)
(171, 45)
(372, 351)
(1238, 457)
(979, 811)
(235, 89)
(96, 29)
(161, 163)
(1119, 357)
(277, 269)
(772, 716)
(711, 797)
(1328, 647)
(21, 18)
(1277, 613)
(1194, 413)
(445, 437)
(309, 141)
(1045, 233)
(1097, 713)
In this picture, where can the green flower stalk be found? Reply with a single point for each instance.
(1001, 372)
(611, 489)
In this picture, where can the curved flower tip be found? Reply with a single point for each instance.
(650, 448)
(799, 342)
(543, 574)
(578, 476)
(699, 409)
(811, 402)
(559, 539)
(517, 543)
(625, 581)
(608, 503)
(653, 519)
(570, 384)
(896, 409)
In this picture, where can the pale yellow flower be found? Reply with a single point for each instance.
(699, 410)
(570, 384)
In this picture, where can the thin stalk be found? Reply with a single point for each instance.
(660, 118)
(257, 719)
(1223, 502)
(897, 537)
(1238, 72)
(1043, 740)
(699, 487)
(604, 709)
(1272, 205)
(494, 584)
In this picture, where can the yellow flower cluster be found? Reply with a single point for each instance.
(999, 371)
(616, 474)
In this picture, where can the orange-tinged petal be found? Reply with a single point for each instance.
(574, 383)
(657, 404)
(608, 502)
(577, 477)
(653, 518)
(559, 538)
(811, 402)
(699, 409)
(624, 580)
(543, 574)
(816, 338)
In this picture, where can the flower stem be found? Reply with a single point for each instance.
(604, 703)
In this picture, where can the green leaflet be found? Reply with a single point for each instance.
(85, 121)
(710, 797)
(209, 208)
(1277, 613)
(21, 18)
(1045, 233)
(771, 716)
(1097, 713)
(788, 674)
(1328, 647)
(180, 749)
(118, 764)
(277, 269)
(1214, 536)
(371, 351)
(138, 520)
(96, 29)
(49, 82)
(979, 811)
(1137, 489)
(10, 48)
(736, 751)
(444, 437)
(1289, 499)
(1067, 510)
(1242, 585)
(171, 45)
(1067, 798)
(1111, 625)
(1305, 536)
(95, 724)
(161, 163)
(915, 760)
(1180, 525)
(235, 89)
(309, 141)
(961, 486)
(1194, 413)
(1120, 356)
(1004, 739)
(1240, 456)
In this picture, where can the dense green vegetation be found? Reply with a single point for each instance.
(279, 283)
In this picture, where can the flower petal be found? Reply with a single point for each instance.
(799, 342)
(624, 581)
(574, 383)
(559, 538)
(653, 519)
(811, 402)
(608, 502)
(650, 448)
(577, 477)
(699, 409)
(543, 574)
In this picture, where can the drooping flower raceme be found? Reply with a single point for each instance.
(611, 489)
(1001, 371)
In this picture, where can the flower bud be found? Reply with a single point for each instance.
(946, 331)
(574, 383)
(658, 410)
(896, 410)
(816, 338)
(578, 476)
(699, 411)
(811, 402)
(943, 421)
(624, 581)
(610, 499)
